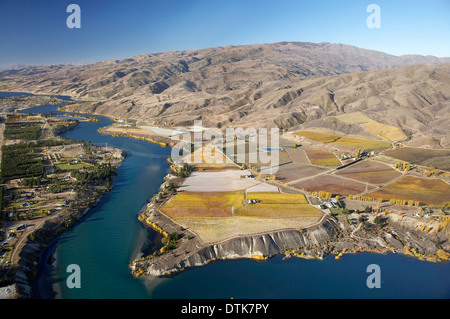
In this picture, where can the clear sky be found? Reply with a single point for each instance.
(35, 31)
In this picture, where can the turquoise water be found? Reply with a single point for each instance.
(292, 278)
(106, 241)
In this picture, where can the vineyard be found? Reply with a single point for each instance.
(409, 188)
(21, 160)
(22, 131)
(370, 171)
(322, 158)
(229, 204)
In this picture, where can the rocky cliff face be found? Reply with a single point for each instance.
(256, 247)
(333, 236)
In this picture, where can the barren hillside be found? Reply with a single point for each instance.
(287, 84)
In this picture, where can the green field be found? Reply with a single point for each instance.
(68, 166)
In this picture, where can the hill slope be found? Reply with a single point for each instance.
(282, 84)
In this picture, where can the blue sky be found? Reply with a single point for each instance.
(35, 31)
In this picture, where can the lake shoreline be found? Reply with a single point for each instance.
(331, 236)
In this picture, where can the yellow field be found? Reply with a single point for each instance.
(386, 132)
(278, 198)
(206, 199)
(207, 155)
(362, 143)
(322, 158)
(342, 140)
(425, 190)
(219, 215)
(223, 204)
(319, 137)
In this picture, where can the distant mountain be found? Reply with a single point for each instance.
(285, 84)
(15, 67)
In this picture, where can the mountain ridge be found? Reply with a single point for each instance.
(283, 84)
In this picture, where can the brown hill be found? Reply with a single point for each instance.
(282, 84)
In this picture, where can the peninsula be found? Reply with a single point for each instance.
(48, 184)
(324, 199)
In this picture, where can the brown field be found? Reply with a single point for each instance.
(425, 190)
(322, 158)
(298, 155)
(292, 172)
(333, 184)
(422, 156)
(242, 153)
(369, 171)
(424, 141)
